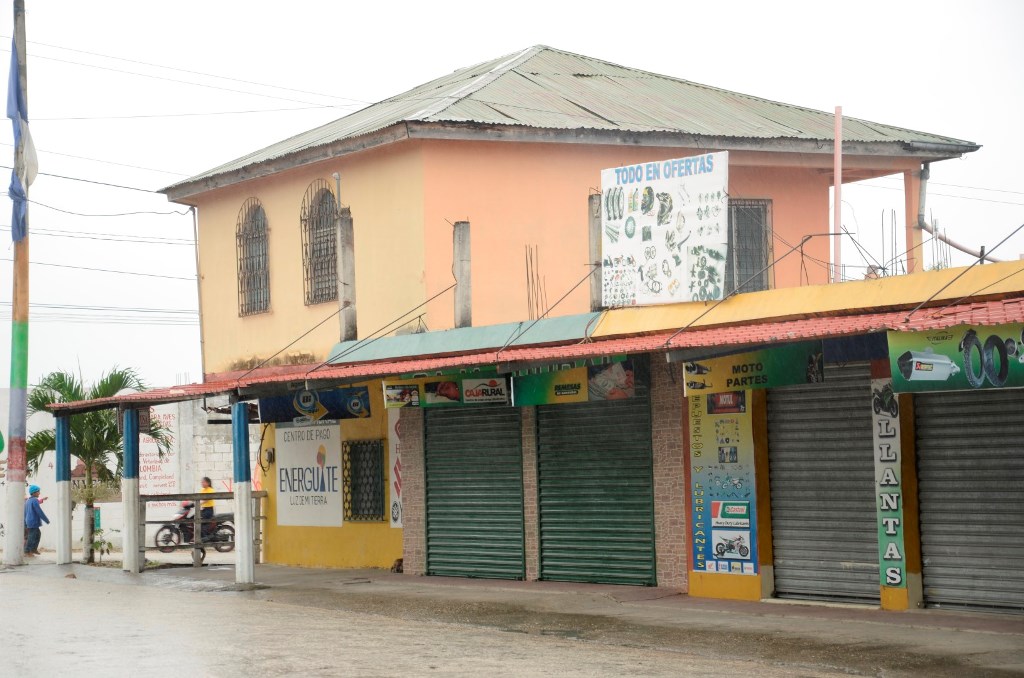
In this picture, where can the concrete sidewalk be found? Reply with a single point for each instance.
(861, 640)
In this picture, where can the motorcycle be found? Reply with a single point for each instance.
(884, 400)
(219, 533)
(732, 546)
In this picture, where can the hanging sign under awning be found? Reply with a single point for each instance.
(446, 391)
(305, 406)
(576, 382)
(782, 365)
(964, 358)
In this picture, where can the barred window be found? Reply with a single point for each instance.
(750, 246)
(253, 260)
(362, 469)
(319, 243)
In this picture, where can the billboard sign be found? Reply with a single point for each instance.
(576, 384)
(304, 407)
(665, 231)
(309, 482)
(963, 358)
(782, 365)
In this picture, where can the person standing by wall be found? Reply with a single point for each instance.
(206, 506)
(34, 518)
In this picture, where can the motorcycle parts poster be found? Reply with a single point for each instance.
(665, 231)
(395, 464)
(309, 482)
(722, 491)
(888, 483)
(964, 358)
(782, 365)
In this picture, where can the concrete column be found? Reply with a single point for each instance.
(915, 237)
(670, 496)
(245, 559)
(346, 263)
(463, 275)
(594, 238)
(414, 506)
(531, 524)
(63, 435)
(130, 493)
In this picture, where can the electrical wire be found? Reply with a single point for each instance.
(119, 309)
(119, 214)
(107, 270)
(89, 181)
(143, 116)
(970, 188)
(290, 344)
(185, 70)
(140, 240)
(946, 195)
(515, 338)
(105, 162)
(962, 273)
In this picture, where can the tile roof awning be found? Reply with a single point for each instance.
(747, 334)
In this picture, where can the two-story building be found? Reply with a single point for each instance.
(603, 490)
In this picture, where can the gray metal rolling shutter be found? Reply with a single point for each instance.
(596, 496)
(474, 474)
(822, 474)
(970, 459)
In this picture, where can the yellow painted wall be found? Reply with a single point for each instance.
(384, 188)
(354, 544)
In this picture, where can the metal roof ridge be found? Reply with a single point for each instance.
(477, 83)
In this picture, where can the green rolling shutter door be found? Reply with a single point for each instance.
(970, 462)
(474, 478)
(596, 496)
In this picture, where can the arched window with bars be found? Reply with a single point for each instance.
(319, 243)
(253, 259)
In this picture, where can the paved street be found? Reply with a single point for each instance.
(366, 623)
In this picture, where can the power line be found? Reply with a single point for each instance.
(184, 82)
(180, 115)
(946, 195)
(185, 70)
(970, 188)
(89, 181)
(105, 162)
(140, 240)
(119, 309)
(107, 270)
(118, 214)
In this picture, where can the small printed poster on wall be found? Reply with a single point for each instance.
(614, 380)
(722, 492)
(781, 365)
(665, 231)
(309, 483)
(963, 358)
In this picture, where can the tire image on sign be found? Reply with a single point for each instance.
(996, 374)
(968, 345)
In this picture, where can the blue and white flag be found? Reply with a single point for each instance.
(17, 111)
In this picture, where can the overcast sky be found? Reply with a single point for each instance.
(951, 68)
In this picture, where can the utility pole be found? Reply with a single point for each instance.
(15, 529)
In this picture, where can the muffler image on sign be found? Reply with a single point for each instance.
(926, 366)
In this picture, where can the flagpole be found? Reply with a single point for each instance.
(15, 524)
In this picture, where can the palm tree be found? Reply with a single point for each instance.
(95, 439)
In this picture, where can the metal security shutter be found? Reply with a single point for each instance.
(596, 497)
(822, 475)
(474, 474)
(970, 458)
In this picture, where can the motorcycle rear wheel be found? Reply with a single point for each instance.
(167, 538)
(224, 539)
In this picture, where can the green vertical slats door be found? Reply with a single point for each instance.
(474, 474)
(596, 496)
(970, 474)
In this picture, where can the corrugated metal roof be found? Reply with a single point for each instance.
(978, 313)
(546, 88)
